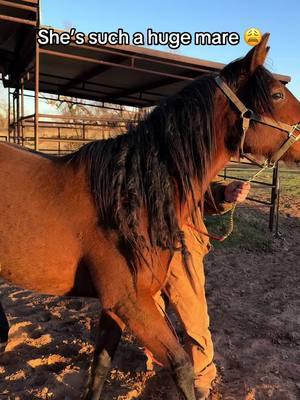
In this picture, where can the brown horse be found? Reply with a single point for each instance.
(106, 220)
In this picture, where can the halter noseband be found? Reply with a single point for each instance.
(247, 115)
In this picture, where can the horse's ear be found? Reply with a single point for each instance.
(257, 56)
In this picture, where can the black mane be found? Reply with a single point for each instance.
(158, 160)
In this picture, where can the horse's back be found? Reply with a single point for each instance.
(42, 225)
(28, 181)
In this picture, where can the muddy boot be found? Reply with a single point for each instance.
(203, 382)
(202, 393)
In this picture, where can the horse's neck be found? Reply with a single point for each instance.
(224, 125)
(218, 165)
(225, 122)
(199, 191)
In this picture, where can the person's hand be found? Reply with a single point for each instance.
(237, 191)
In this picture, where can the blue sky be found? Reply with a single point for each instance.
(280, 18)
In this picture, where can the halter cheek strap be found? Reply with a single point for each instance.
(247, 115)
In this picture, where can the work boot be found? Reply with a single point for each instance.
(203, 382)
(202, 393)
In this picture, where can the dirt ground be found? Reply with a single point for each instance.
(254, 303)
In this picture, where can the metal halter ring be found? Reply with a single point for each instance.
(248, 113)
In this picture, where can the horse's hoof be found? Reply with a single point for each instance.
(2, 347)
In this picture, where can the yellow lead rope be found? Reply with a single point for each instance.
(231, 218)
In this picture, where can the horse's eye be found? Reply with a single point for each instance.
(277, 96)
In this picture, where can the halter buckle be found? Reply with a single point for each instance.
(292, 135)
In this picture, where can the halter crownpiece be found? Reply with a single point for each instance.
(247, 115)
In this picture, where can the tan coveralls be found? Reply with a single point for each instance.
(189, 304)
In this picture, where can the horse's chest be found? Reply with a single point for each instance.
(154, 272)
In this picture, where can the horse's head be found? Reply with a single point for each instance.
(276, 112)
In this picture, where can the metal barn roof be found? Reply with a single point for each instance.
(128, 75)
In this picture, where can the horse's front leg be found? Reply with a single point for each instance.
(142, 317)
(108, 337)
(4, 328)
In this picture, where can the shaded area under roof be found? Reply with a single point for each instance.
(128, 75)
(18, 21)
